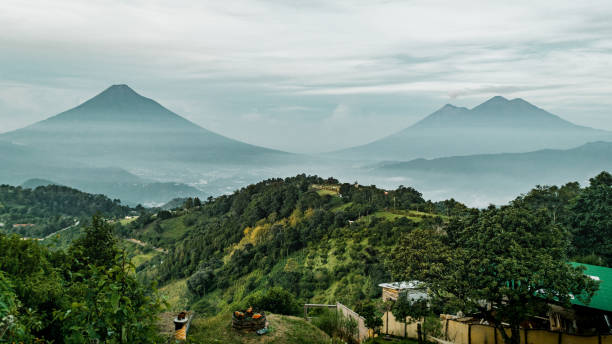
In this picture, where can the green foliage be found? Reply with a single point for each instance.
(372, 314)
(590, 220)
(336, 325)
(201, 281)
(276, 300)
(50, 208)
(408, 310)
(97, 246)
(109, 305)
(513, 257)
(91, 293)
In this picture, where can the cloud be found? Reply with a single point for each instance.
(297, 60)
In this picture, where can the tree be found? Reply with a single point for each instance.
(97, 246)
(372, 315)
(407, 310)
(197, 202)
(202, 281)
(188, 203)
(109, 305)
(513, 258)
(590, 219)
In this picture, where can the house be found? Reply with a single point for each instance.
(414, 290)
(596, 317)
(22, 225)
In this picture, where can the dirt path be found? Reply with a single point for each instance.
(76, 223)
(143, 244)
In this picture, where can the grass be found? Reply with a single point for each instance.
(126, 221)
(416, 216)
(283, 330)
(324, 192)
(176, 295)
(138, 254)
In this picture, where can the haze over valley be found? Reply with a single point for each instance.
(130, 147)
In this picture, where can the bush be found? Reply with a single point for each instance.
(201, 282)
(275, 300)
(336, 325)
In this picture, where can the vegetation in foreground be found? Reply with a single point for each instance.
(285, 239)
(87, 293)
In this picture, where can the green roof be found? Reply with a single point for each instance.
(603, 297)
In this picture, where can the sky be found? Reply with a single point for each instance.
(307, 76)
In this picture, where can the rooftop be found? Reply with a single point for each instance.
(402, 285)
(603, 297)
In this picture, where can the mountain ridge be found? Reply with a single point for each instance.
(495, 126)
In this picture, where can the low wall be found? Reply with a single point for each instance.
(363, 332)
(465, 333)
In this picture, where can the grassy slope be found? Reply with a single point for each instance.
(283, 330)
(176, 294)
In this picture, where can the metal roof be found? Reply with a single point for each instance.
(603, 297)
(402, 285)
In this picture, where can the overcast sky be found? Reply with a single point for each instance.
(310, 75)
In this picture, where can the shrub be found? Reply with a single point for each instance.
(336, 325)
(275, 300)
(201, 282)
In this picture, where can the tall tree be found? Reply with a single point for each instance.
(590, 219)
(512, 258)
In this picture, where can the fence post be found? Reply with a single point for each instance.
(526, 330)
(495, 334)
(469, 333)
(419, 337)
(446, 330)
(560, 337)
(305, 312)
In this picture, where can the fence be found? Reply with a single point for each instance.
(362, 330)
(460, 332)
(470, 333)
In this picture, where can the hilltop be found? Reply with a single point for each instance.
(498, 125)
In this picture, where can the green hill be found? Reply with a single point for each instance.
(322, 247)
(46, 209)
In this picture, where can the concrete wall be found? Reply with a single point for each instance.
(461, 333)
(465, 333)
(363, 331)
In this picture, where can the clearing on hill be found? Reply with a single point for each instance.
(283, 330)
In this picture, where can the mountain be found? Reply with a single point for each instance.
(498, 125)
(119, 127)
(496, 178)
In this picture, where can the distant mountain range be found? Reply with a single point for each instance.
(126, 146)
(485, 178)
(94, 145)
(498, 125)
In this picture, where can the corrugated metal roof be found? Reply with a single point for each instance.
(402, 285)
(603, 297)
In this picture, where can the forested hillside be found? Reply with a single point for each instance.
(324, 241)
(282, 242)
(45, 209)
